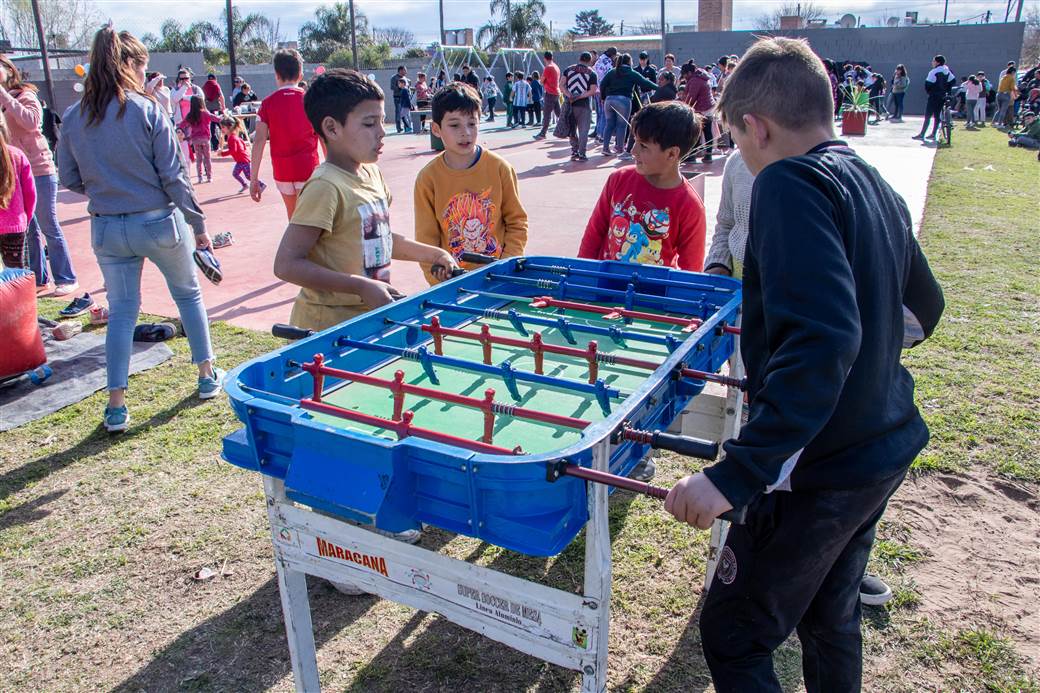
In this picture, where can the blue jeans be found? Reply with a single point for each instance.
(601, 117)
(46, 221)
(617, 110)
(121, 243)
(897, 99)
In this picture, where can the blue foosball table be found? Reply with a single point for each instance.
(503, 404)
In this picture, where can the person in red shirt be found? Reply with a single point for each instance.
(551, 100)
(649, 213)
(234, 134)
(294, 145)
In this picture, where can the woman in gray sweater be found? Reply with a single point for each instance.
(119, 149)
(726, 253)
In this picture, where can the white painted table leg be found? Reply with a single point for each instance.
(296, 606)
(730, 429)
(598, 575)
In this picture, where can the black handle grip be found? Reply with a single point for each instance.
(684, 445)
(477, 258)
(289, 331)
(737, 515)
(438, 267)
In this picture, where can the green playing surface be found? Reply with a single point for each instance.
(465, 422)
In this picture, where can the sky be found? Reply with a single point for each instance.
(420, 16)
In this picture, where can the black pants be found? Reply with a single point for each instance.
(709, 137)
(796, 564)
(933, 112)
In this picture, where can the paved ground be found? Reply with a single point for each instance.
(558, 194)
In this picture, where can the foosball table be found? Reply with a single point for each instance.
(503, 404)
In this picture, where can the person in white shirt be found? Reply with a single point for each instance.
(180, 96)
(156, 86)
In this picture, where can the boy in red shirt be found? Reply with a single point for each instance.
(294, 144)
(649, 213)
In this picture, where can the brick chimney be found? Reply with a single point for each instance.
(715, 15)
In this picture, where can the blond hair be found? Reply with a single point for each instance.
(780, 79)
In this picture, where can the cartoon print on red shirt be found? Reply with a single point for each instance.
(470, 218)
(635, 235)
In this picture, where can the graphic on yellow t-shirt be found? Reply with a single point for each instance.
(376, 239)
(471, 223)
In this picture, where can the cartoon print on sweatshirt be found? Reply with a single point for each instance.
(470, 218)
(637, 235)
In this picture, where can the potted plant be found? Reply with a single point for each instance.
(855, 111)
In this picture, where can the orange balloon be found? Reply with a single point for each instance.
(80, 72)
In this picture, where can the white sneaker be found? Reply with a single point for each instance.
(66, 289)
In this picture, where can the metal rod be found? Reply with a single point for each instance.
(612, 480)
(316, 369)
(634, 278)
(499, 314)
(231, 42)
(682, 305)
(353, 36)
(404, 428)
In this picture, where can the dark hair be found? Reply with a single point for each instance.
(195, 112)
(465, 66)
(113, 57)
(625, 59)
(688, 68)
(401, 67)
(548, 55)
(643, 55)
(509, 74)
(1010, 70)
(335, 94)
(288, 64)
(668, 76)
(535, 75)
(211, 76)
(233, 124)
(668, 124)
(669, 55)
(725, 59)
(612, 51)
(455, 97)
(149, 76)
(940, 59)
(518, 75)
(585, 57)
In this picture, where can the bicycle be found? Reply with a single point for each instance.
(946, 121)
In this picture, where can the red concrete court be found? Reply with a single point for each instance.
(558, 194)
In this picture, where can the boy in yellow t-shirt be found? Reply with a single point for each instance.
(466, 199)
(338, 245)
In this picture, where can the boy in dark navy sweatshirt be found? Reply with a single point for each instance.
(830, 262)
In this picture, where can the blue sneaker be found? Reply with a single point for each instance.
(116, 419)
(211, 387)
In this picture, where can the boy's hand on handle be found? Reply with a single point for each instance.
(696, 501)
(376, 293)
(443, 265)
(255, 191)
(202, 241)
(719, 270)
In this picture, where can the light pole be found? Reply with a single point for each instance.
(353, 36)
(509, 24)
(44, 58)
(231, 42)
(440, 8)
(664, 39)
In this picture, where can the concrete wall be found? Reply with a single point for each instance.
(967, 48)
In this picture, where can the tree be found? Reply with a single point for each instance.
(648, 25)
(1031, 40)
(330, 32)
(393, 36)
(174, 38)
(526, 22)
(806, 10)
(71, 23)
(248, 32)
(416, 52)
(590, 23)
(373, 55)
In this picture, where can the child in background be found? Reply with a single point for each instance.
(196, 130)
(406, 103)
(507, 98)
(17, 201)
(466, 198)
(491, 93)
(649, 213)
(422, 97)
(294, 145)
(521, 99)
(338, 245)
(972, 92)
(537, 91)
(235, 136)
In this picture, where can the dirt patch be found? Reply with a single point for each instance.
(981, 535)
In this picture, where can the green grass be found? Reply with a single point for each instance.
(978, 377)
(100, 535)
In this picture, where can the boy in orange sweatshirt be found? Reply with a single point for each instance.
(466, 199)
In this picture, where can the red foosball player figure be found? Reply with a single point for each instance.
(830, 262)
(338, 245)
